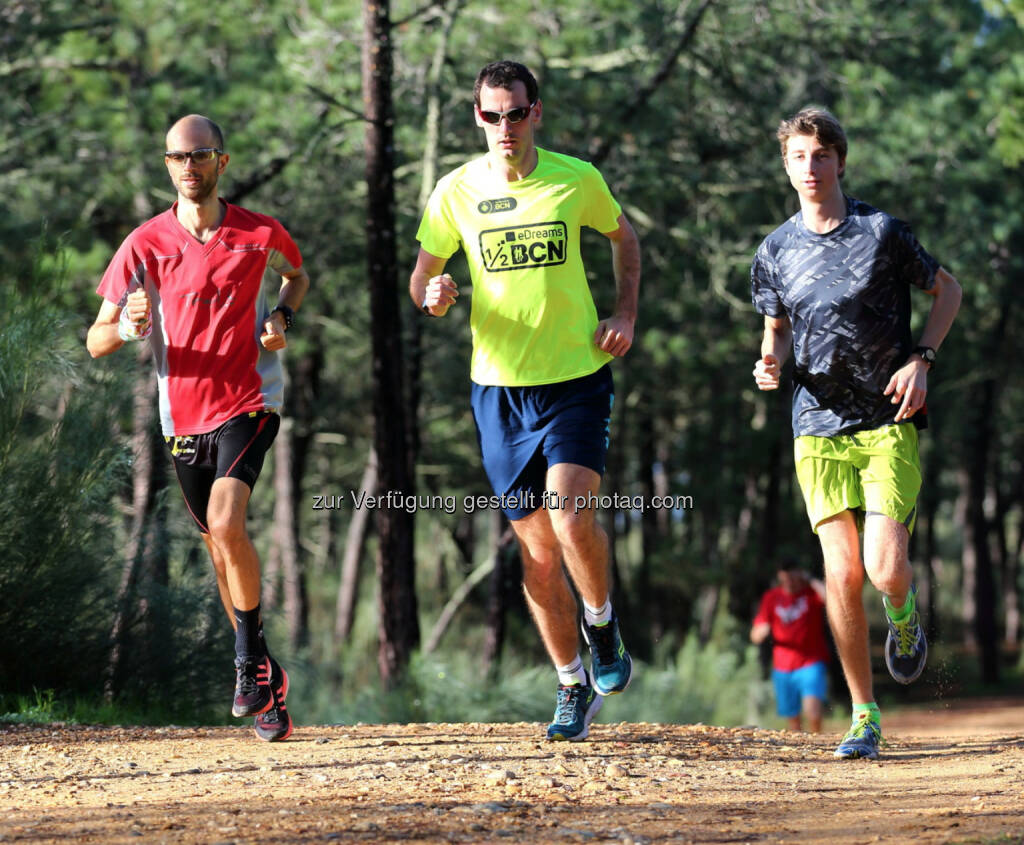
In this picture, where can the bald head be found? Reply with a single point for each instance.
(197, 130)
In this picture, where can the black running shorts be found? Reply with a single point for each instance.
(234, 450)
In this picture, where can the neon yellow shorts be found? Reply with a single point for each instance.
(875, 471)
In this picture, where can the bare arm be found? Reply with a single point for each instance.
(294, 286)
(909, 384)
(430, 287)
(105, 334)
(776, 344)
(759, 632)
(615, 335)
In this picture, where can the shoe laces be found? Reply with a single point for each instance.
(603, 639)
(569, 700)
(861, 727)
(908, 632)
(271, 717)
(248, 675)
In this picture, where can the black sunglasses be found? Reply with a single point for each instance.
(200, 156)
(513, 115)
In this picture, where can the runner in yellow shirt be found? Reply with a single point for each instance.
(542, 387)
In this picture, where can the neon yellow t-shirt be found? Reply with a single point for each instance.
(533, 318)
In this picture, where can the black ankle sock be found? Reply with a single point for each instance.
(248, 642)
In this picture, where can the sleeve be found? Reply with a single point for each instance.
(762, 288)
(438, 233)
(764, 612)
(284, 255)
(911, 261)
(601, 210)
(125, 273)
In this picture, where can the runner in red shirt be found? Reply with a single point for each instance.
(191, 281)
(793, 613)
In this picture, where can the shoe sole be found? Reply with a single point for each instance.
(587, 719)
(602, 693)
(857, 756)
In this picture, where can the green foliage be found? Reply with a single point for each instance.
(59, 466)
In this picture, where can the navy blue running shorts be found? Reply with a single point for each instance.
(524, 430)
(235, 449)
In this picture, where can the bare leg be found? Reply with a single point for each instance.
(885, 557)
(812, 707)
(547, 591)
(844, 582)
(225, 517)
(583, 542)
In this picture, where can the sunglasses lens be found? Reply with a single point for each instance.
(202, 156)
(516, 115)
(177, 158)
(491, 116)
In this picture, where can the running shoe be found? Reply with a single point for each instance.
(252, 686)
(275, 724)
(610, 664)
(906, 648)
(575, 709)
(861, 740)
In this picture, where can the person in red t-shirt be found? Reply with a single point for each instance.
(191, 280)
(793, 613)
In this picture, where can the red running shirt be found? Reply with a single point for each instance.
(798, 627)
(209, 307)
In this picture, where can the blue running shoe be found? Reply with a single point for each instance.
(861, 740)
(610, 665)
(574, 711)
(906, 648)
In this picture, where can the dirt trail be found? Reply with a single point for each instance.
(952, 773)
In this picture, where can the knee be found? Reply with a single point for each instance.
(844, 578)
(542, 563)
(226, 531)
(575, 530)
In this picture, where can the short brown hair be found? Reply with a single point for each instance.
(505, 74)
(820, 123)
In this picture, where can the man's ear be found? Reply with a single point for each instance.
(842, 167)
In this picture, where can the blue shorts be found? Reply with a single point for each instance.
(524, 430)
(792, 687)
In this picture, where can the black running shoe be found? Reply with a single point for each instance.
(252, 687)
(275, 724)
(906, 649)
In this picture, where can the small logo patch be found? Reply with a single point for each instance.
(494, 206)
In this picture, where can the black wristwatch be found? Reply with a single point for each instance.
(288, 314)
(927, 354)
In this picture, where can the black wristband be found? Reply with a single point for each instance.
(288, 314)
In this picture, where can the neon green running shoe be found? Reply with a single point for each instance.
(861, 740)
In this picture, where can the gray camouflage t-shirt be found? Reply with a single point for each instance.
(847, 295)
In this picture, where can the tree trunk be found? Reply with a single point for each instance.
(399, 630)
(355, 541)
(502, 539)
(978, 575)
(148, 480)
(286, 537)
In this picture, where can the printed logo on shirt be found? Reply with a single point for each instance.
(522, 247)
(790, 614)
(493, 206)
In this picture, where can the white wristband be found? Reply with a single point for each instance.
(129, 330)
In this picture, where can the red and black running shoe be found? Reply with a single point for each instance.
(252, 687)
(275, 724)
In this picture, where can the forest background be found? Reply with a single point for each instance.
(339, 118)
